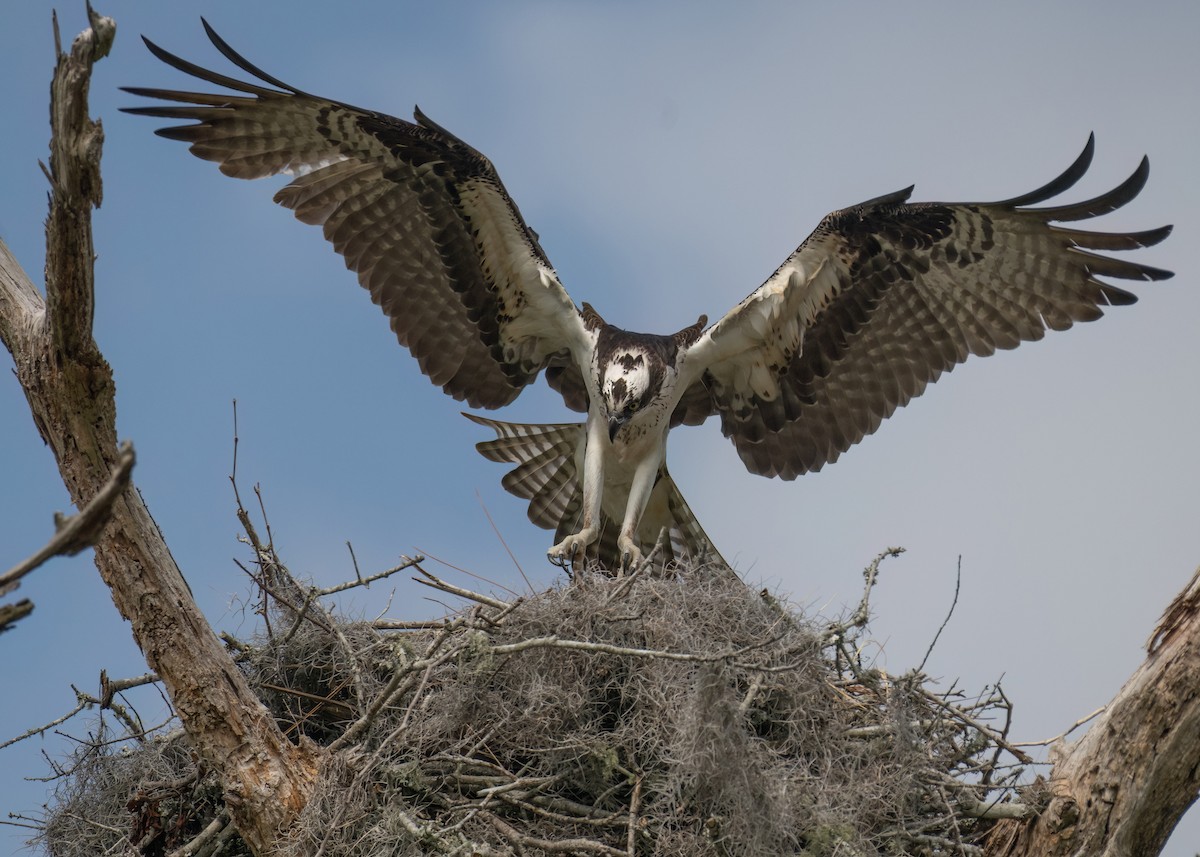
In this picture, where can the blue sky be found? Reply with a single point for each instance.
(670, 156)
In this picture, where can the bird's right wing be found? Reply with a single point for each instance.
(418, 214)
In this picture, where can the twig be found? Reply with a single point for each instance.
(354, 561)
(301, 615)
(751, 693)
(82, 701)
(979, 809)
(92, 823)
(399, 625)
(564, 811)
(880, 729)
(108, 689)
(234, 643)
(79, 531)
(631, 839)
(555, 642)
(406, 562)
(561, 846)
(627, 583)
(322, 700)
(518, 783)
(10, 614)
(655, 552)
(396, 685)
(998, 697)
(1048, 741)
(437, 583)
(503, 543)
(233, 469)
(986, 730)
(470, 573)
(943, 845)
(201, 839)
(949, 613)
(861, 615)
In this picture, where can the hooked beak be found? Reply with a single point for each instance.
(614, 426)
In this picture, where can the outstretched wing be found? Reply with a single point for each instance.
(886, 296)
(418, 214)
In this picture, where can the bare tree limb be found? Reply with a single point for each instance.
(69, 387)
(80, 531)
(10, 614)
(406, 562)
(437, 583)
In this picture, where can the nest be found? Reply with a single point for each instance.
(675, 714)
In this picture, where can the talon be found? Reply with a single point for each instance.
(631, 554)
(571, 549)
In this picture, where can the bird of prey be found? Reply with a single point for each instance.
(879, 301)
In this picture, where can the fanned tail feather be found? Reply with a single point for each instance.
(547, 475)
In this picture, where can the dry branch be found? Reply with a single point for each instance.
(69, 387)
(78, 532)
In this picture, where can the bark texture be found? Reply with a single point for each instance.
(70, 390)
(1120, 790)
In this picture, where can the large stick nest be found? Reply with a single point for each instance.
(679, 714)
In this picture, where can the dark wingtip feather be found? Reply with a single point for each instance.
(202, 73)
(165, 55)
(1155, 274)
(1112, 240)
(243, 63)
(894, 198)
(1105, 202)
(141, 92)
(1160, 234)
(1117, 296)
(182, 133)
(1064, 181)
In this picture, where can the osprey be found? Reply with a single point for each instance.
(877, 303)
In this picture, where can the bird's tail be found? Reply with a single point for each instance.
(547, 475)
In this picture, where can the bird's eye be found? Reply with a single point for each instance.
(633, 406)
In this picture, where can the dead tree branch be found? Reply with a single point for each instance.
(78, 532)
(69, 387)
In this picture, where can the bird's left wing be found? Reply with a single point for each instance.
(886, 296)
(418, 214)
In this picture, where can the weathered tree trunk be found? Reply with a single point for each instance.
(69, 385)
(1120, 790)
